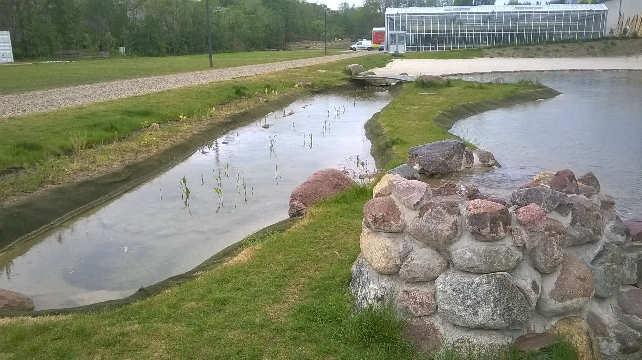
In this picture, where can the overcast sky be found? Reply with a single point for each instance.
(334, 4)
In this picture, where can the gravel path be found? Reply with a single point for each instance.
(485, 65)
(48, 100)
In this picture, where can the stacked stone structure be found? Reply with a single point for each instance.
(466, 269)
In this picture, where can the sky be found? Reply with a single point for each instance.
(334, 4)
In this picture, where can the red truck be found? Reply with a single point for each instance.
(378, 38)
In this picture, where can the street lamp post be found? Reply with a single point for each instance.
(209, 31)
(325, 30)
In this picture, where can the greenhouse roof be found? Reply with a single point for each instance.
(496, 8)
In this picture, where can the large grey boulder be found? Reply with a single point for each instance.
(320, 185)
(608, 270)
(486, 258)
(383, 251)
(422, 265)
(382, 214)
(488, 301)
(567, 291)
(438, 158)
(437, 224)
(549, 199)
(13, 301)
(370, 288)
(488, 220)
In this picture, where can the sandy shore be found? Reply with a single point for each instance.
(414, 67)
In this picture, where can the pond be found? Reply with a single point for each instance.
(594, 125)
(228, 189)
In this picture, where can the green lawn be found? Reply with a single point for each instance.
(37, 76)
(420, 115)
(290, 300)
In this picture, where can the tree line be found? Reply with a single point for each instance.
(46, 28)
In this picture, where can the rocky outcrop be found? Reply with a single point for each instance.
(321, 185)
(465, 269)
(447, 157)
(13, 301)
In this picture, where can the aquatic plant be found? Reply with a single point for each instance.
(185, 191)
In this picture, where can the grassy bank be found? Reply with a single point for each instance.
(67, 145)
(421, 115)
(282, 295)
(607, 47)
(38, 76)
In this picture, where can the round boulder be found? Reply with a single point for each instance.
(321, 185)
(422, 265)
(437, 158)
(383, 187)
(569, 291)
(485, 258)
(417, 300)
(531, 216)
(486, 158)
(370, 288)
(488, 220)
(383, 251)
(405, 171)
(547, 255)
(437, 224)
(355, 69)
(564, 181)
(587, 222)
(488, 301)
(411, 193)
(382, 214)
(13, 301)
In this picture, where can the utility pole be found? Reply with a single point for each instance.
(325, 30)
(209, 31)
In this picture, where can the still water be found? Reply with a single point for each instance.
(594, 125)
(236, 185)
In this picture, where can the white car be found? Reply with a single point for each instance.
(361, 45)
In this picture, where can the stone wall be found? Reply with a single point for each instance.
(467, 269)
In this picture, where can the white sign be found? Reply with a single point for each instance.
(6, 51)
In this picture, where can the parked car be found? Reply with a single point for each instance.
(362, 45)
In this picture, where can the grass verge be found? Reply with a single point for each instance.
(64, 146)
(283, 295)
(39, 76)
(420, 115)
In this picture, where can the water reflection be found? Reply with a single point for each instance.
(594, 125)
(229, 188)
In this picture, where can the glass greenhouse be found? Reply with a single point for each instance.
(457, 27)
